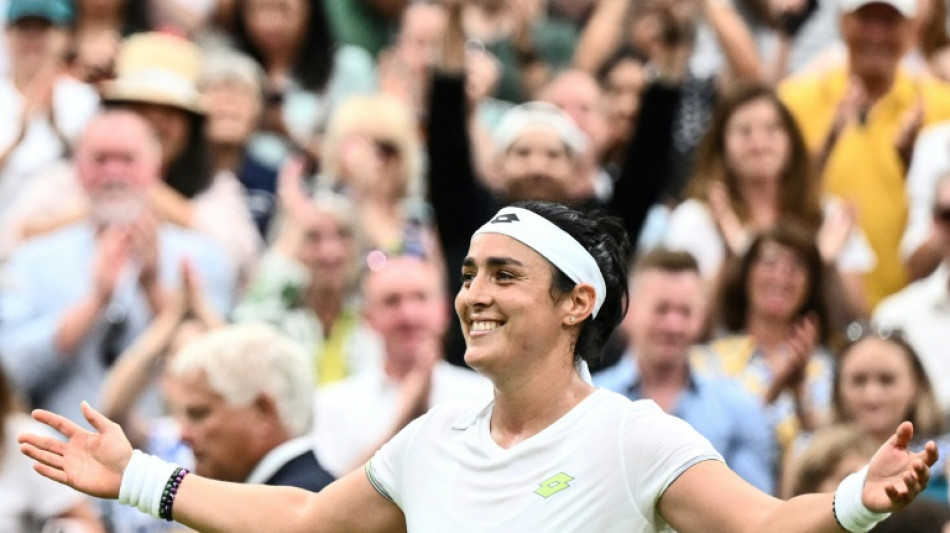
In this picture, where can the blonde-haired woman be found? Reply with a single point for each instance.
(373, 154)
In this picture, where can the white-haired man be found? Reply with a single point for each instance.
(243, 395)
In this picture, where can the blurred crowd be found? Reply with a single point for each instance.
(236, 227)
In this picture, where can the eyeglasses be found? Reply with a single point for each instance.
(857, 331)
(942, 213)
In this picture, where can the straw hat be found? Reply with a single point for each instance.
(157, 68)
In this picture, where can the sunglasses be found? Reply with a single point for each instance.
(942, 213)
(858, 331)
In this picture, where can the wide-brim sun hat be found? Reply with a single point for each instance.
(157, 68)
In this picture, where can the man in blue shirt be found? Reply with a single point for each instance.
(75, 298)
(666, 316)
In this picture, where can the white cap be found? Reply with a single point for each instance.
(907, 8)
(517, 119)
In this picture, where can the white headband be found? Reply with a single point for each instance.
(553, 243)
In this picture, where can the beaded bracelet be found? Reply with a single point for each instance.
(168, 495)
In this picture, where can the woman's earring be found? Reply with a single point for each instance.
(572, 320)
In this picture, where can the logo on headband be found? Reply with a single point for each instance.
(507, 218)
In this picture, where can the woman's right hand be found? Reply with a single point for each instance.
(89, 462)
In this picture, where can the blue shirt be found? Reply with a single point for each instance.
(732, 420)
(49, 275)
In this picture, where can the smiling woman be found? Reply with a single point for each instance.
(543, 284)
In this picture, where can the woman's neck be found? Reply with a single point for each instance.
(327, 304)
(762, 198)
(768, 333)
(525, 403)
(227, 157)
(280, 66)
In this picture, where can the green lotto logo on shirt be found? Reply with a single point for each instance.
(553, 485)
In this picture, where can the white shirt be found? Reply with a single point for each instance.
(355, 414)
(693, 229)
(922, 310)
(600, 468)
(930, 161)
(27, 498)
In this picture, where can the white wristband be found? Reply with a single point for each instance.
(143, 481)
(849, 508)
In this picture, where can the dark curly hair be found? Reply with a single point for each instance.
(605, 238)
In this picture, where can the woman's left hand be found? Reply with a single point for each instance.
(895, 475)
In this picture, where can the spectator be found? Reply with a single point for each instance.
(922, 245)
(579, 95)
(30, 500)
(405, 304)
(307, 74)
(232, 85)
(530, 44)
(752, 171)
(372, 154)
(622, 79)
(879, 379)
(99, 29)
(157, 78)
(305, 284)
(405, 67)
(861, 119)
(696, 48)
(933, 41)
(44, 109)
(61, 325)
(920, 309)
(773, 328)
(191, 194)
(665, 319)
(242, 395)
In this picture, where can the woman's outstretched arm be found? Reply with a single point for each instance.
(94, 463)
(709, 498)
